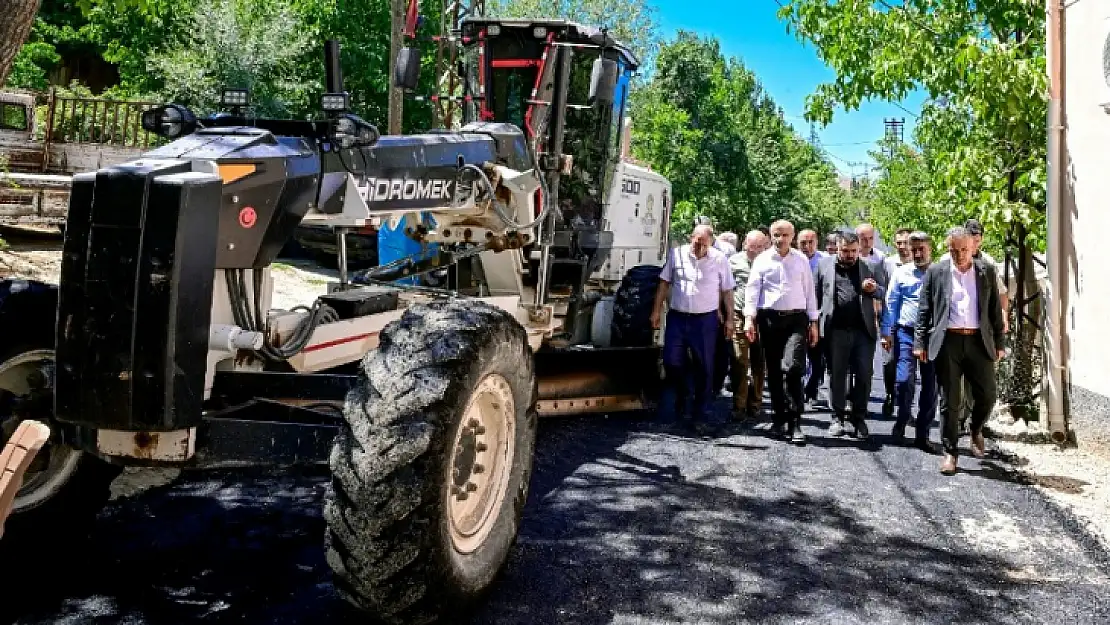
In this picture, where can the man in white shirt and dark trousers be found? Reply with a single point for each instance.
(959, 328)
(697, 284)
(781, 305)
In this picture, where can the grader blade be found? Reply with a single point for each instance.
(587, 380)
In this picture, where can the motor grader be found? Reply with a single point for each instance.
(159, 346)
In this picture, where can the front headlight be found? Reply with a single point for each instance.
(170, 121)
(350, 131)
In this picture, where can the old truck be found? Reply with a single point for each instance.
(46, 138)
(160, 345)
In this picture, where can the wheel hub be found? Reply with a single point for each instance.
(26, 392)
(481, 462)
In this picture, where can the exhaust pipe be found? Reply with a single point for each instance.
(334, 73)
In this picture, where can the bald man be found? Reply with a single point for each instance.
(780, 308)
(697, 285)
(746, 357)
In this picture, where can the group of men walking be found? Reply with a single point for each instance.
(764, 308)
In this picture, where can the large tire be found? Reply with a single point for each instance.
(397, 480)
(632, 307)
(56, 509)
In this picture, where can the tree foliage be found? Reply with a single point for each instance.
(190, 49)
(706, 123)
(250, 44)
(980, 140)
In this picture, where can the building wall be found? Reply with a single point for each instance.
(1087, 201)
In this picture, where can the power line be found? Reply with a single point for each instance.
(915, 115)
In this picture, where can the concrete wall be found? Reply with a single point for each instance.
(1087, 202)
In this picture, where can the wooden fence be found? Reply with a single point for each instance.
(95, 120)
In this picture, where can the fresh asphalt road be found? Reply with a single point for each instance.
(629, 524)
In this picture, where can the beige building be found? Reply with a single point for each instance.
(1085, 224)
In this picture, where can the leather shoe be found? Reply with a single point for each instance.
(978, 445)
(860, 425)
(948, 467)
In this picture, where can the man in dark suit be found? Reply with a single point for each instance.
(960, 329)
(849, 300)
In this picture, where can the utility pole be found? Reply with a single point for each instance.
(894, 134)
(396, 96)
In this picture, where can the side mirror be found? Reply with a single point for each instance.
(406, 72)
(603, 82)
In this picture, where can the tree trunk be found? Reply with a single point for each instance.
(396, 96)
(14, 28)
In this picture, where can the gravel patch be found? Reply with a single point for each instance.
(1075, 479)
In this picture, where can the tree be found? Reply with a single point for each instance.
(253, 44)
(983, 68)
(706, 123)
(14, 28)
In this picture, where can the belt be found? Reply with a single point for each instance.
(692, 314)
(964, 331)
(781, 313)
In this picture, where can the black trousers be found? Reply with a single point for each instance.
(817, 366)
(963, 357)
(783, 337)
(851, 351)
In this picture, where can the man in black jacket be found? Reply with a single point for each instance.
(960, 328)
(848, 299)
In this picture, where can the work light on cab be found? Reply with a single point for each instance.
(170, 121)
(349, 131)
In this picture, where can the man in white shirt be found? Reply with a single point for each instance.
(975, 230)
(727, 242)
(780, 307)
(867, 251)
(697, 285)
(959, 328)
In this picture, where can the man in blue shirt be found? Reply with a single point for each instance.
(897, 334)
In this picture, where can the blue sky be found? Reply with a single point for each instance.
(788, 69)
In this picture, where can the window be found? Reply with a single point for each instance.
(592, 137)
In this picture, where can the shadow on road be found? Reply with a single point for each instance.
(606, 534)
(644, 544)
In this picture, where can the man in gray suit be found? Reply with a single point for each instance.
(960, 329)
(849, 299)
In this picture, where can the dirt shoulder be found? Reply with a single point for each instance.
(1074, 477)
